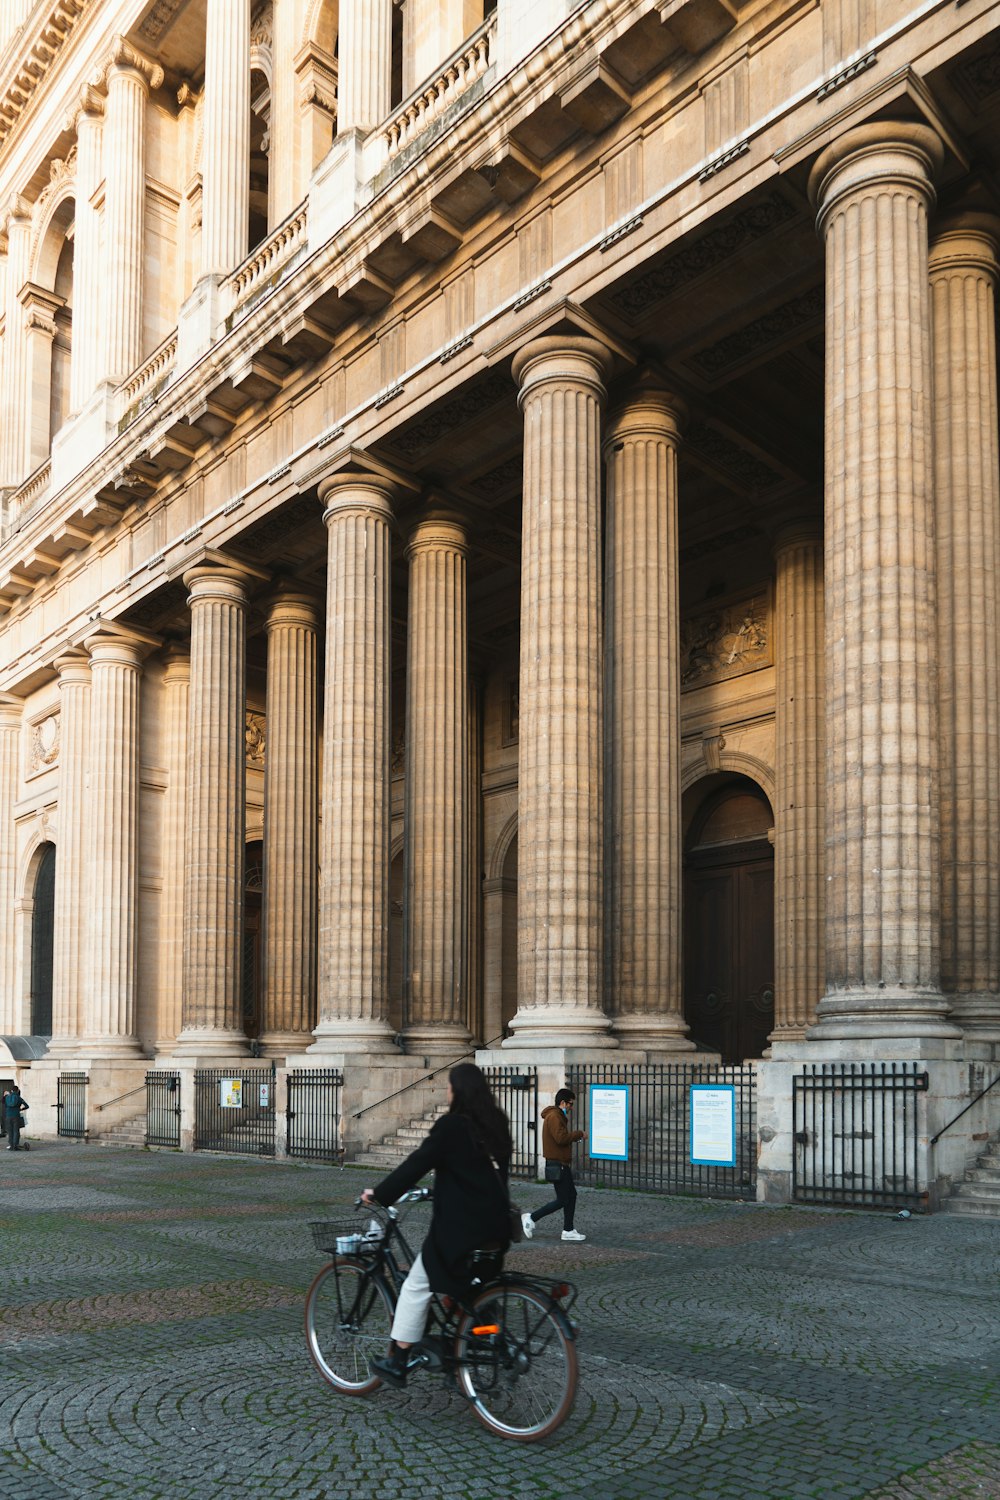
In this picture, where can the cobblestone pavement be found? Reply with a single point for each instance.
(151, 1346)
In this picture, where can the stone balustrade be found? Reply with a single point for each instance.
(272, 255)
(146, 379)
(24, 500)
(464, 68)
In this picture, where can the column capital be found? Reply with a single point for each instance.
(11, 708)
(176, 660)
(122, 57)
(802, 532)
(291, 606)
(438, 534)
(357, 490)
(965, 241)
(73, 667)
(17, 209)
(111, 649)
(649, 410)
(88, 108)
(562, 360)
(212, 581)
(883, 154)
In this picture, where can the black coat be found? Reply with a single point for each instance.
(470, 1201)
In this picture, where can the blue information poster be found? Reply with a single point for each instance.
(608, 1116)
(713, 1125)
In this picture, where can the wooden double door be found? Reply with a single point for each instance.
(729, 946)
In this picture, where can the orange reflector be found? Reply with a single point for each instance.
(487, 1328)
(562, 1290)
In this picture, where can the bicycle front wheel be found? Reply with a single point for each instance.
(521, 1379)
(348, 1317)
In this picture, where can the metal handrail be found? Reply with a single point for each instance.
(981, 1095)
(424, 1077)
(140, 1088)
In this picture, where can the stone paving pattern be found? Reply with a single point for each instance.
(151, 1343)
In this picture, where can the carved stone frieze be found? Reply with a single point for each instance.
(43, 744)
(256, 740)
(398, 764)
(726, 640)
(471, 402)
(761, 336)
(720, 452)
(159, 18)
(635, 298)
(505, 476)
(979, 79)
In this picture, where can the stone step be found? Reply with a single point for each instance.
(979, 1188)
(984, 1208)
(983, 1173)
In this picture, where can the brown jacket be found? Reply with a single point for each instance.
(557, 1138)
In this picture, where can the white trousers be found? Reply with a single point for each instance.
(410, 1318)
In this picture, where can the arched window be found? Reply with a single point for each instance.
(42, 935)
(260, 115)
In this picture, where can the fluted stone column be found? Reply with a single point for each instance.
(40, 309)
(353, 999)
(216, 816)
(88, 270)
(963, 272)
(560, 903)
(70, 896)
(799, 864)
(112, 878)
(226, 137)
(642, 683)
(364, 74)
(173, 842)
(14, 424)
(10, 726)
(435, 982)
(290, 826)
(130, 76)
(873, 189)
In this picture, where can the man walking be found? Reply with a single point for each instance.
(557, 1149)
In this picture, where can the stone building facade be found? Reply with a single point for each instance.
(500, 537)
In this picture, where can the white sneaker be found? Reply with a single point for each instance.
(528, 1225)
(573, 1234)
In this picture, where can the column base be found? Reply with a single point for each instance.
(657, 1033)
(436, 1041)
(889, 1011)
(209, 1042)
(977, 1012)
(335, 1037)
(111, 1049)
(560, 1026)
(284, 1043)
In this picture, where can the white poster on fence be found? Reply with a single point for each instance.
(609, 1121)
(231, 1093)
(713, 1125)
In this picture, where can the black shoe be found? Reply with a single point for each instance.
(392, 1369)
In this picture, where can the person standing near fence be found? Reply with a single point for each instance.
(557, 1149)
(13, 1104)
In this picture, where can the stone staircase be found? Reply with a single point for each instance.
(130, 1132)
(980, 1192)
(394, 1148)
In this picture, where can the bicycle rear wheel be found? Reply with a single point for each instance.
(521, 1380)
(348, 1317)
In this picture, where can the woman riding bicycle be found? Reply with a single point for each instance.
(469, 1149)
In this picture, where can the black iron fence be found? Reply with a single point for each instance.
(688, 1128)
(234, 1110)
(857, 1134)
(163, 1109)
(516, 1091)
(314, 1114)
(71, 1105)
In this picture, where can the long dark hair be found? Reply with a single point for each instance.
(472, 1099)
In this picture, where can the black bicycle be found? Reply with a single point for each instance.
(509, 1348)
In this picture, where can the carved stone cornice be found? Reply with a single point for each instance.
(122, 54)
(40, 43)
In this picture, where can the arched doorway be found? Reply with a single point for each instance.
(42, 934)
(253, 899)
(729, 920)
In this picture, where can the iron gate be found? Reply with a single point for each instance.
(314, 1114)
(234, 1110)
(659, 1129)
(516, 1091)
(71, 1108)
(857, 1134)
(163, 1108)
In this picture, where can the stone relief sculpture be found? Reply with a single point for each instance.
(725, 641)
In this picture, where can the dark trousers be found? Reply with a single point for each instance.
(565, 1199)
(13, 1123)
